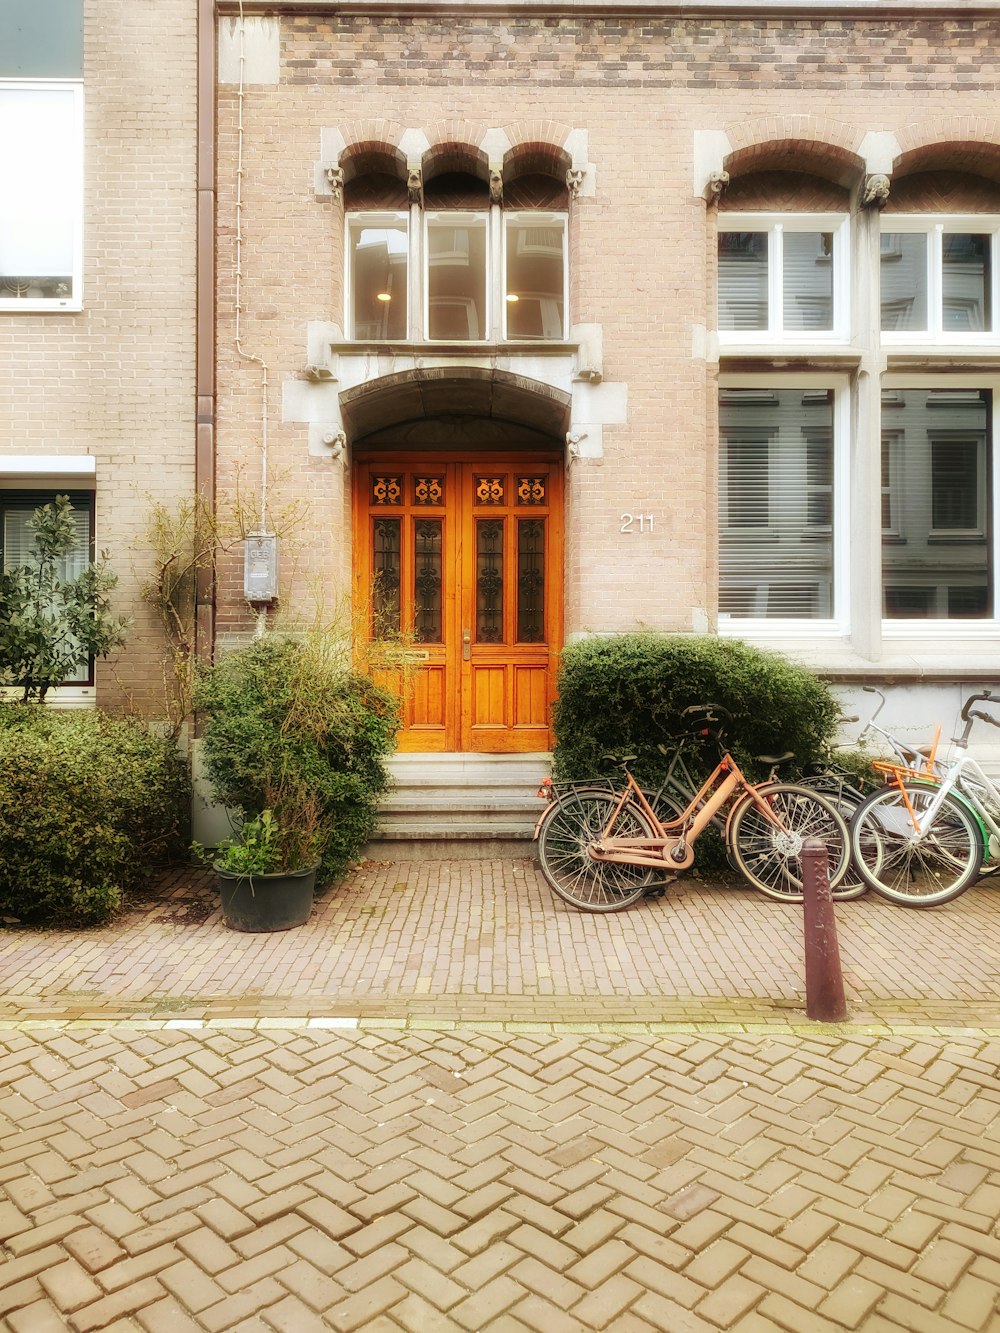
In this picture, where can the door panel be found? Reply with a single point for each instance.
(465, 559)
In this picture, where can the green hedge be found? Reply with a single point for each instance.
(624, 695)
(90, 806)
(285, 714)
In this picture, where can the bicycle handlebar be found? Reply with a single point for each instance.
(984, 717)
(986, 695)
(707, 717)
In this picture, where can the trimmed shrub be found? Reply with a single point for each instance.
(90, 806)
(288, 721)
(624, 696)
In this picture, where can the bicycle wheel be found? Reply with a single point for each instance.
(916, 870)
(573, 822)
(848, 800)
(769, 855)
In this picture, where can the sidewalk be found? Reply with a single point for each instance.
(451, 1103)
(483, 941)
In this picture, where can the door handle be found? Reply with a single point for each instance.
(466, 644)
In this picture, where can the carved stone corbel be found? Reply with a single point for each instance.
(574, 180)
(496, 183)
(415, 184)
(876, 191)
(715, 188)
(335, 179)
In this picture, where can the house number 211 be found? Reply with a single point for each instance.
(633, 523)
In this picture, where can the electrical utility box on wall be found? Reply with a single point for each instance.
(260, 567)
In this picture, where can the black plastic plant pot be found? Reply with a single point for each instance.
(266, 902)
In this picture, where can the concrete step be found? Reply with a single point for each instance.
(481, 805)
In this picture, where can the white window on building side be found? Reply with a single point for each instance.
(41, 200)
(535, 276)
(781, 504)
(938, 561)
(782, 278)
(939, 279)
(378, 250)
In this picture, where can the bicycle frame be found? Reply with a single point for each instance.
(674, 845)
(953, 784)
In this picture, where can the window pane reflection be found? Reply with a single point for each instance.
(808, 279)
(904, 281)
(456, 277)
(378, 279)
(935, 547)
(965, 283)
(743, 280)
(536, 263)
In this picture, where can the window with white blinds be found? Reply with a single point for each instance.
(937, 560)
(939, 279)
(777, 503)
(16, 511)
(782, 279)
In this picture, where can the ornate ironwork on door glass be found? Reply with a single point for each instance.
(386, 617)
(530, 581)
(428, 490)
(387, 490)
(427, 620)
(531, 490)
(489, 581)
(490, 490)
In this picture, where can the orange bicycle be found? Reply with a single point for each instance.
(601, 849)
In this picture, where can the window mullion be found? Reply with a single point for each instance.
(496, 287)
(776, 294)
(935, 282)
(416, 320)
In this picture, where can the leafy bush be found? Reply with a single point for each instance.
(90, 805)
(624, 696)
(289, 725)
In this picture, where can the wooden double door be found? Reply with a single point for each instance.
(465, 561)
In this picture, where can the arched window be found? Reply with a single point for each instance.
(456, 267)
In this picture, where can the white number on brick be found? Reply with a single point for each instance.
(633, 523)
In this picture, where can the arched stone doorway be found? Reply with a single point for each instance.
(458, 546)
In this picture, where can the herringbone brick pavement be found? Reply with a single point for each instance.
(297, 1179)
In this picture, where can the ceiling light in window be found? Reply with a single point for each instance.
(512, 297)
(383, 296)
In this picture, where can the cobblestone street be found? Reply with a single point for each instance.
(450, 1102)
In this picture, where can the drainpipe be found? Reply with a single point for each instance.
(205, 388)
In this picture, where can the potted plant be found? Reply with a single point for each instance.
(295, 738)
(267, 877)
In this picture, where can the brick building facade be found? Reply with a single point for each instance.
(551, 320)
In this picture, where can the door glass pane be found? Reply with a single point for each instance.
(743, 280)
(378, 278)
(936, 561)
(530, 580)
(536, 265)
(427, 622)
(808, 280)
(776, 504)
(456, 277)
(904, 281)
(965, 283)
(489, 581)
(386, 619)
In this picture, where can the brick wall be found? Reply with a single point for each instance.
(116, 380)
(642, 247)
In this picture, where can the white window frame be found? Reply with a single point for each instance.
(776, 225)
(543, 219)
(71, 191)
(942, 630)
(934, 227)
(376, 219)
(418, 222)
(835, 626)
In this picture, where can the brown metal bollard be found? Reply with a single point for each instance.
(824, 980)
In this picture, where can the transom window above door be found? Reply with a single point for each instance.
(457, 275)
(783, 278)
